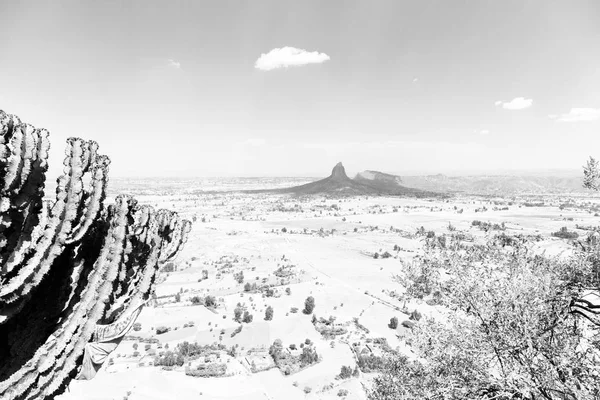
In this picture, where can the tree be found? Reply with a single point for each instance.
(210, 301)
(276, 349)
(309, 305)
(288, 291)
(247, 317)
(53, 252)
(393, 323)
(247, 287)
(513, 335)
(269, 313)
(237, 313)
(591, 175)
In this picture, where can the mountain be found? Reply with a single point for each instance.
(374, 183)
(379, 179)
(497, 184)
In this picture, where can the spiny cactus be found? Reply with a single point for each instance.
(71, 266)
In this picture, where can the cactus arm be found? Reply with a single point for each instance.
(94, 196)
(31, 199)
(62, 214)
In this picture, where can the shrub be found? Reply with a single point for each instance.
(345, 372)
(563, 233)
(237, 313)
(137, 326)
(247, 317)
(210, 301)
(196, 300)
(269, 313)
(162, 329)
(415, 316)
(393, 323)
(307, 389)
(288, 291)
(342, 392)
(309, 305)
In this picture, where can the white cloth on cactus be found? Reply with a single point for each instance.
(105, 340)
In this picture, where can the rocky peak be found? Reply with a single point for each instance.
(339, 172)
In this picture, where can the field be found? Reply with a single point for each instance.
(252, 251)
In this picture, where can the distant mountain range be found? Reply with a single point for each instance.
(497, 184)
(365, 183)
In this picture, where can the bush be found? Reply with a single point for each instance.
(307, 389)
(563, 233)
(309, 305)
(345, 372)
(269, 313)
(196, 300)
(393, 323)
(239, 277)
(210, 301)
(415, 316)
(288, 291)
(247, 317)
(162, 329)
(137, 326)
(237, 313)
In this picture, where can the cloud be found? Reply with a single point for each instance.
(578, 115)
(174, 64)
(518, 103)
(288, 57)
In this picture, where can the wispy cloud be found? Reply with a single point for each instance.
(289, 57)
(578, 115)
(173, 64)
(518, 103)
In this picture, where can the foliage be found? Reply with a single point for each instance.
(564, 233)
(345, 372)
(393, 323)
(512, 333)
(237, 313)
(204, 370)
(247, 318)
(269, 313)
(309, 305)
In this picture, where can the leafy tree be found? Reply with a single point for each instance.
(269, 313)
(210, 301)
(247, 317)
(309, 305)
(237, 313)
(393, 323)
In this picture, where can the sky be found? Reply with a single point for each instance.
(289, 88)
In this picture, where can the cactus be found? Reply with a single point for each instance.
(71, 266)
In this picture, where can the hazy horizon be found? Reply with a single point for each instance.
(284, 88)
